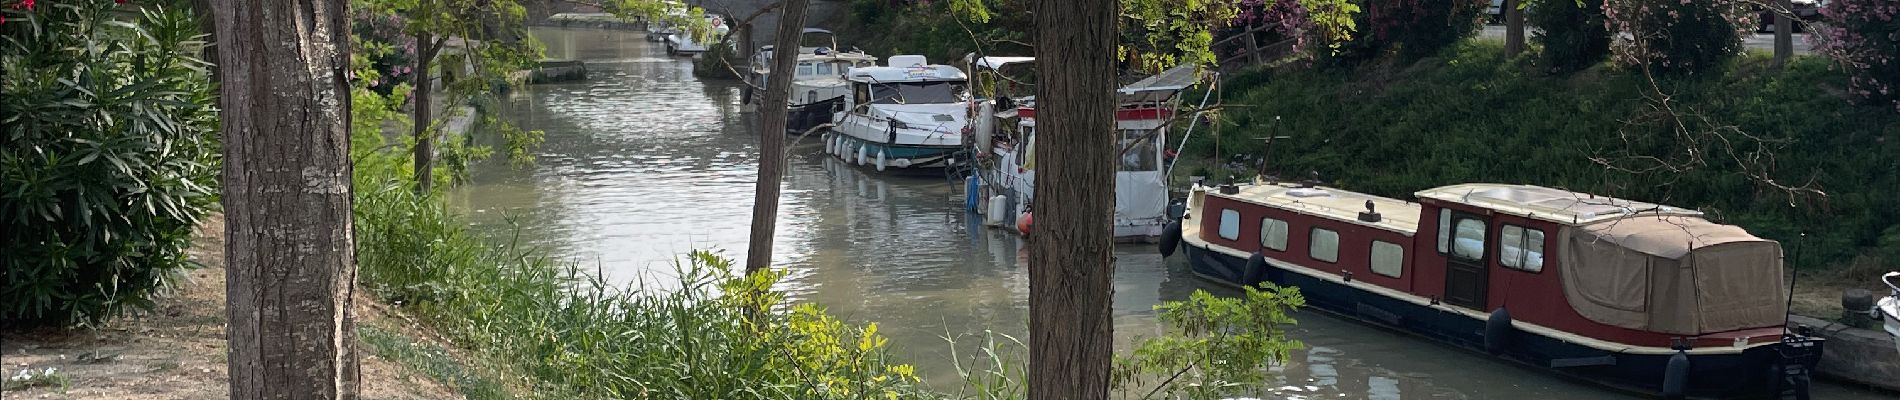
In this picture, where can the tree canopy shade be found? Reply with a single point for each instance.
(291, 259)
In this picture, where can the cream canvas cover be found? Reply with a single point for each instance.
(1672, 274)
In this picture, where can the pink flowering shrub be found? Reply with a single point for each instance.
(1864, 37)
(391, 53)
(1677, 36)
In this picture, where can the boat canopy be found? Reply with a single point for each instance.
(1672, 274)
(997, 63)
(1161, 87)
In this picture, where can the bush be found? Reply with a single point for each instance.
(1861, 37)
(1573, 37)
(108, 157)
(1412, 29)
(1678, 37)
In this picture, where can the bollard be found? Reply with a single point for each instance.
(1857, 308)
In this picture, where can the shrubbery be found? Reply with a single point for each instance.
(108, 157)
(1410, 28)
(1573, 37)
(1861, 36)
(1674, 36)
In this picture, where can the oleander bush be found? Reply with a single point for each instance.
(1572, 33)
(1409, 29)
(108, 156)
(1678, 37)
(1864, 37)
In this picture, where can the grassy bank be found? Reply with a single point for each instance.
(1470, 115)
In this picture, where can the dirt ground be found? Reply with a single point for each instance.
(1818, 294)
(177, 351)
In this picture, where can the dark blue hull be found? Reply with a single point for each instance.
(1756, 372)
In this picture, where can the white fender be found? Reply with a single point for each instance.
(880, 160)
(828, 143)
(861, 151)
(999, 204)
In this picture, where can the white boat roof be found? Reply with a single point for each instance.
(1000, 62)
(1161, 87)
(1554, 205)
(915, 73)
(1331, 203)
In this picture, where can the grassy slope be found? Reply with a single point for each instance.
(1470, 115)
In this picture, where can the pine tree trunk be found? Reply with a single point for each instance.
(791, 24)
(291, 264)
(424, 114)
(1513, 28)
(1070, 248)
(1784, 33)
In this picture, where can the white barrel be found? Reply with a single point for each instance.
(998, 206)
(880, 160)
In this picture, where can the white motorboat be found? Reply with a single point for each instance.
(818, 82)
(907, 116)
(1890, 307)
(1008, 168)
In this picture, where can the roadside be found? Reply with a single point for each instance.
(177, 351)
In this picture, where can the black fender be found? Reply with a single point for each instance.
(1256, 266)
(1170, 239)
(1497, 331)
(1676, 376)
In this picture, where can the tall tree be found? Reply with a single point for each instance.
(1070, 254)
(791, 24)
(286, 97)
(1784, 32)
(1514, 27)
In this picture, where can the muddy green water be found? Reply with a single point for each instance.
(643, 162)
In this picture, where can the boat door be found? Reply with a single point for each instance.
(1466, 278)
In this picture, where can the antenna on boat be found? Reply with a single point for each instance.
(1793, 276)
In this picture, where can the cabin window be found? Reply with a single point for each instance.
(1467, 239)
(1387, 258)
(1521, 248)
(804, 69)
(918, 92)
(1273, 234)
(1324, 246)
(1229, 224)
(811, 96)
(824, 69)
(861, 92)
(1139, 152)
(1444, 229)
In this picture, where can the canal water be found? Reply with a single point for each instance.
(643, 163)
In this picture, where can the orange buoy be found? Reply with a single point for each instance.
(1022, 222)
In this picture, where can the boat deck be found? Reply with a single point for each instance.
(1395, 215)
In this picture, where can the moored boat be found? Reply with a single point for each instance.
(1890, 308)
(908, 116)
(1632, 295)
(1006, 143)
(818, 83)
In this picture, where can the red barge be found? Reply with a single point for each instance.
(1639, 296)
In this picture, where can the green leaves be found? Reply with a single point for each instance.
(1217, 346)
(108, 157)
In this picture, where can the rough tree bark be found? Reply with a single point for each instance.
(791, 24)
(1784, 33)
(1070, 250)
(1513, 28)
(286, 198)
(427, 47)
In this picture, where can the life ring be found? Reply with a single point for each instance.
(1170, 239)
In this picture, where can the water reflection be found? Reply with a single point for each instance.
(643, 163)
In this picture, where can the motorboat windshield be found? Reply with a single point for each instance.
(918, 92)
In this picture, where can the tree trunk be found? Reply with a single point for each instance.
(791, 24)
(424, 113)
(291, 264)
(1784, 33)
(1070, 249)
(1513, 28)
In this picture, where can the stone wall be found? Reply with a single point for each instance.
(1855, 355)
